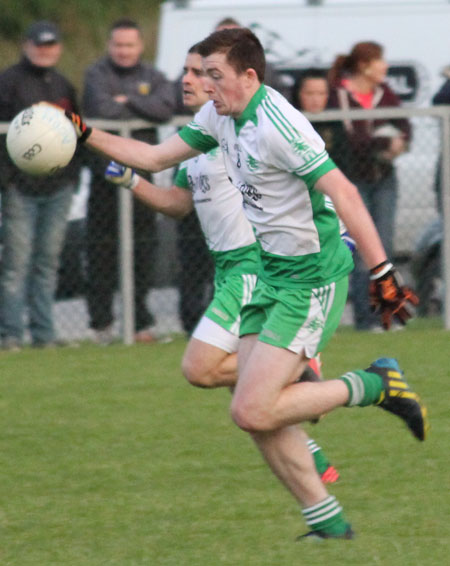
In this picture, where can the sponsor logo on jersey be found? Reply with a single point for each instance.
(250, 194)
(200, 183)
(237, 149)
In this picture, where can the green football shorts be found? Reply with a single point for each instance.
(299, 320)
(230, 295)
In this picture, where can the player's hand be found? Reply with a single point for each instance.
(82, 131)
(121, 175)
(389, 296)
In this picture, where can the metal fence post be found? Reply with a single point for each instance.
(126, 257)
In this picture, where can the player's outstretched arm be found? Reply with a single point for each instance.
(134, 153)
(353, 212)
(174, 201)
(388, 295)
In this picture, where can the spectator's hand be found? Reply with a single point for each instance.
(397, 146)
(389, 296)
(121, 98)
(121, 175)
(82, 131)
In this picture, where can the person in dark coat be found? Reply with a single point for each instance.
(120, 85)
(34, 209)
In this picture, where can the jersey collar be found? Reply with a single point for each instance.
(250, 110)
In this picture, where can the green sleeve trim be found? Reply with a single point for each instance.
(197, 140)
(311, 178)
(181, 179)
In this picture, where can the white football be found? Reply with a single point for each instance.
(41, 140)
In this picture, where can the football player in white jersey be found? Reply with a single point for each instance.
(210, 358)
(278, 162)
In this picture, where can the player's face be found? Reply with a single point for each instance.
(224, 86)
(46, 55)
(193, 94)
(125, 47)
(376, 70)
(313, 95)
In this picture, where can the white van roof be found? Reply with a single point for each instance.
(300, 33)
(214, 3)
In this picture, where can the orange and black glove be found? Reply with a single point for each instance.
(389, 296)
(82, 131)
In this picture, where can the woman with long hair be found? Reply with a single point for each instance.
(358, 80)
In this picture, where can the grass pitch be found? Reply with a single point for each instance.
(108, 457)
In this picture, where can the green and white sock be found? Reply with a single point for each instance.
(364, 387)
(320, 460)
(327, 517)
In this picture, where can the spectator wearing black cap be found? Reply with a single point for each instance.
(34, 209)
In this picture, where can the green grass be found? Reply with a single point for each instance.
(108, 457)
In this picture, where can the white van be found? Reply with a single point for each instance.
(301, 33)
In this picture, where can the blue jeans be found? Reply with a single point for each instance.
(380, 197)
(33, 235)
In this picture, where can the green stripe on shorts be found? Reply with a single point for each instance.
(298, 320)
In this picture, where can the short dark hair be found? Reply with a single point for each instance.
(124, 23)
(310, 73)
(306, 74)
(195, 49)
(242, 49)
(227, 23)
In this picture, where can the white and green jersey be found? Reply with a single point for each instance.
(274, 157)
(219, 206)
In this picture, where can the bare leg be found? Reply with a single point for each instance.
(284, 449)
(266, 397)
(286, 452)
(205, 365)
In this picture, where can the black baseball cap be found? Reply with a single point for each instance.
(43, 32)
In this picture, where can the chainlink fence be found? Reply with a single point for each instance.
(125, 268)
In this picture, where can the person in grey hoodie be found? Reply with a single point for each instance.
(122, 86)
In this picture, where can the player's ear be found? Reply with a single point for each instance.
(251, 75)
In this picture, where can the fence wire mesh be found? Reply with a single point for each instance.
(169, 280)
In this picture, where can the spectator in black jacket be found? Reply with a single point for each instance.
(120, 85)
(34, 209)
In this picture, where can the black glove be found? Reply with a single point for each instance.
(389, 296)
(82, 131)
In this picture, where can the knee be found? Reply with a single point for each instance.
(250, 417)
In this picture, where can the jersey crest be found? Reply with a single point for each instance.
(252, 163)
